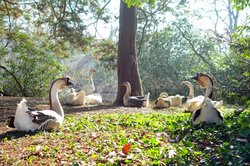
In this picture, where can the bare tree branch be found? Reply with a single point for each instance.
(192, 46)
(15, 78)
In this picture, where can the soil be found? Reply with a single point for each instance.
(8, 107)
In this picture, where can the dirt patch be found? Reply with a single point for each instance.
(8, 107)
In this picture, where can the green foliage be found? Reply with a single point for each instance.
(240, 4)
(137, 3)
(156, 139)
(169, 57)
(179, 51)
(32, 61)
(36, 36)
(106, 52)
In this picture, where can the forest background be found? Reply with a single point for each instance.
(41, 40)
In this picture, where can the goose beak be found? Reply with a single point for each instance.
(195, 78)
(69, 82)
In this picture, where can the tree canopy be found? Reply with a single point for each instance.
(38, 40)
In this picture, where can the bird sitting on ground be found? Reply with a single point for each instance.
(27, 119)
(133, 101)
(162, 101)
(205, 81)
(94, 98)
(176, 100)
(207, 114)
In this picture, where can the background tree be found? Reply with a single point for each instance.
(127, 58)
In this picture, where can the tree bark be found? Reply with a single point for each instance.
(127, 68)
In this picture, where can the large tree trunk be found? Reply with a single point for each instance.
(127, 61)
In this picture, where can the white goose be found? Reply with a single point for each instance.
(205, 81)
(94, 98)
(162, 102)
(70, 95)
(207, 113)
(192, 103)
(133, 101)
(27, 119)
(90, 87)
(79, 99)
(176, 100)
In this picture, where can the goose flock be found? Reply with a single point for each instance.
(202, 108)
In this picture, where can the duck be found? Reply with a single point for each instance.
(94, 98)
(133, 101)
(27, 119)
(207, 114)
(90, 87)
(70, 95)
(163, 101)
(79, 99)
(163, 94)
(176, 100)
(192, 103)
(205, 81)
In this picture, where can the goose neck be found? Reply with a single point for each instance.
(128, 91)
(55, 104)
(191, 91)
(209, 92)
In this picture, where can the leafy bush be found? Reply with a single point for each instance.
(29, 65)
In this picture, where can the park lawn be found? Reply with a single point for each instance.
(156, 138)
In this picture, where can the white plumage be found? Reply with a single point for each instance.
(94, 98)
(207, 114)
(176, 100)
(22, 120)
(79, 99)
(90, 87)
(162, 102)
(26, 119)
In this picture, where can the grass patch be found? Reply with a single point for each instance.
(156, 139)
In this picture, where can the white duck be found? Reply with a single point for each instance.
(162, 102)
(94, 98)
(207, 114)
(27, 119)
(70, 95)
(194, 103)
(79, 99)
(90, 87)
(176, 100)
(133, 101)
(205, 81)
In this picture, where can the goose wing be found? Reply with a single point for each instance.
(138, 97)
(136, 101)
(46, 119)
(219, 114)
(196, 114)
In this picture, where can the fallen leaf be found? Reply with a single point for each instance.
(126, 148)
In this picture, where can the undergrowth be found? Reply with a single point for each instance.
(156, 139)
